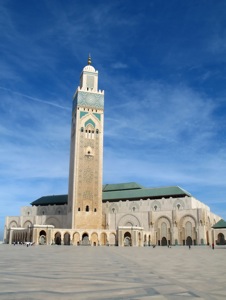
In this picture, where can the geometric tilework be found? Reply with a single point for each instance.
(89, 99)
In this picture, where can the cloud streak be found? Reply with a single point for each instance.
(36, 99)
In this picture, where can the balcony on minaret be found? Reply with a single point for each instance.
(87, 89)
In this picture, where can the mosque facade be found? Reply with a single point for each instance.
(124, 214)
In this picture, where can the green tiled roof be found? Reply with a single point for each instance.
(122, 186)
(121, 191)
(51, 200)
(220, 224)
(145, 193)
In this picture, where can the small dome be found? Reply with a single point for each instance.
(89, 68)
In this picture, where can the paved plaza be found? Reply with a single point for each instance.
(68, 272)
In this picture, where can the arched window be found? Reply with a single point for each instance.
(85, 239)
(95, 209)
(188, 229)
(89, 129)
(221, 239)
(79, 209)
(87, 207)
(164, 229)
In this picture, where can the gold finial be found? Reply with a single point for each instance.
(89, 60)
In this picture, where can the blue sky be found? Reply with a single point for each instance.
(162, 65)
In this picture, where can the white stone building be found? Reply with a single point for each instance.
(124, 214)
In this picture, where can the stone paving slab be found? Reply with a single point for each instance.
(67, 272)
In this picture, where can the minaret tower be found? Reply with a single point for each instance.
(86, 153)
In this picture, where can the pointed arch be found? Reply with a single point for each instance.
(27, 224)
(163, 230)
(67, 238)
(103, 239)
(129, 218)
(13, 224)
(76, 238)
(112, 239)
(94, 239)
(85, 239)
(57, 238)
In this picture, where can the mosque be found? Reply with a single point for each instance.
(123, 214)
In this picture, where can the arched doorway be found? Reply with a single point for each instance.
(42, 237)
(112, 239)
(66, 238)
(189, 241)
(76, 238)
(221, 239)
(58, 238)
(188, 233)
(94, 239)
(139, 239)
(103, 239)
(85, 239)
(127, 239)
(164, 241)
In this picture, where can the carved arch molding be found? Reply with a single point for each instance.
(129, 219)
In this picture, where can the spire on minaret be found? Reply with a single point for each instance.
(89, 60)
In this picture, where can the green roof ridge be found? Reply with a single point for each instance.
(145, 193)
(122, 191)
(121, 186)
(51, 199)
(220, 224)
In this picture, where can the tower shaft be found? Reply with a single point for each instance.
(86, 153)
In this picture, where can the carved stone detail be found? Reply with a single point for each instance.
(89, 142)
(88, 195)
(88, 175)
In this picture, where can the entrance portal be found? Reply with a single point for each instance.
(164, 241)
(189, 241)
(67, 239)
(85, 240)
(58, 238)
(220, 239)
(42, 237)
(127, 239)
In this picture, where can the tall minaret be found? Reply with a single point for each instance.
(86, 153)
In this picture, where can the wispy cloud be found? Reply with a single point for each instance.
(119, 65)
(36, 99)
(160, 111)
(35, 139)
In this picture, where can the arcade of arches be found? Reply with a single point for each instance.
(162, 234)
(78, 238)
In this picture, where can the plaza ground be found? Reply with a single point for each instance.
(68, 272)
